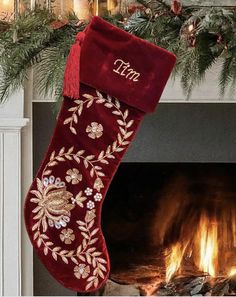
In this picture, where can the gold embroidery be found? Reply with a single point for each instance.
(98, 184)
(125, 70)
(73, 176)
(79, 199)
(52, 205)
(56, 206)
(95, 171)
(94, 130)
(89, 254)
(85, 252)
(81, 271)
(67, 236)
(90, 215)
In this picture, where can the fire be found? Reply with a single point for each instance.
(205, 249)
(232, 271)
(173, 260)
(207, 237)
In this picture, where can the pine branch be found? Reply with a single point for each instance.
(34, 34)
(33, 40)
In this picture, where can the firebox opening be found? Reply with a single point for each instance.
(164, 220)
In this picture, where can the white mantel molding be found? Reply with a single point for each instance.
(10, 206)
(14, 124)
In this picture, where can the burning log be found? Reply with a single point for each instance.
(183, 241)
(200, 286)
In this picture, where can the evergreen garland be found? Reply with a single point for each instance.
(197, 36)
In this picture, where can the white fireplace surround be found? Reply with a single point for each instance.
(16, 254)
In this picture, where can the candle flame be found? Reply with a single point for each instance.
(5, 2)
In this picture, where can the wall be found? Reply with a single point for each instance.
(174, 133)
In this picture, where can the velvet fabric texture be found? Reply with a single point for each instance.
(93, 131)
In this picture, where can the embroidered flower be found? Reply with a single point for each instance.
(98, 184)
(88, 191)
(90, 215)
(52, 180)
(90, 204)
(58, 224)
(67, 236)
(81, 271)
(52, 204)
(73, 176)
(94, 130)
(97, 197)
(79, 199)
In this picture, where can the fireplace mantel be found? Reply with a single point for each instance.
(207, 92)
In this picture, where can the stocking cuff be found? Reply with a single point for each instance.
(124, 66)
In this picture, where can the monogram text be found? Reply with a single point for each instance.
(123, 68)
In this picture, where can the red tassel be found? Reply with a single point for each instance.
(71, 84)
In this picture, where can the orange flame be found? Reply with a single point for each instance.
(207, 237)
(232, 272)
(205, 249)
(173, 260)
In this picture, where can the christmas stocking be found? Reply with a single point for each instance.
(111, 80)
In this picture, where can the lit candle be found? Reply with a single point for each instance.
(97, 8)
(81, 9)
(7, 7)
(111, 6)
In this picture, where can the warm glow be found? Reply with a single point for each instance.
(96, 8)
(81, 9)
(190, 28)
(207, 236)
(204, 250)
(232, 271)
(173, 260)
(6, 10)
(7, 5)
(110, 5)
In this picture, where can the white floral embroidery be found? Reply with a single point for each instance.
(88, 191)
(97, 197)
(52, 180)
(58, 224)
(90, 204)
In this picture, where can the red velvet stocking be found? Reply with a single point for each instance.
(93, 131)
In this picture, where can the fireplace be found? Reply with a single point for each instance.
(191, 139)
(171, 228)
